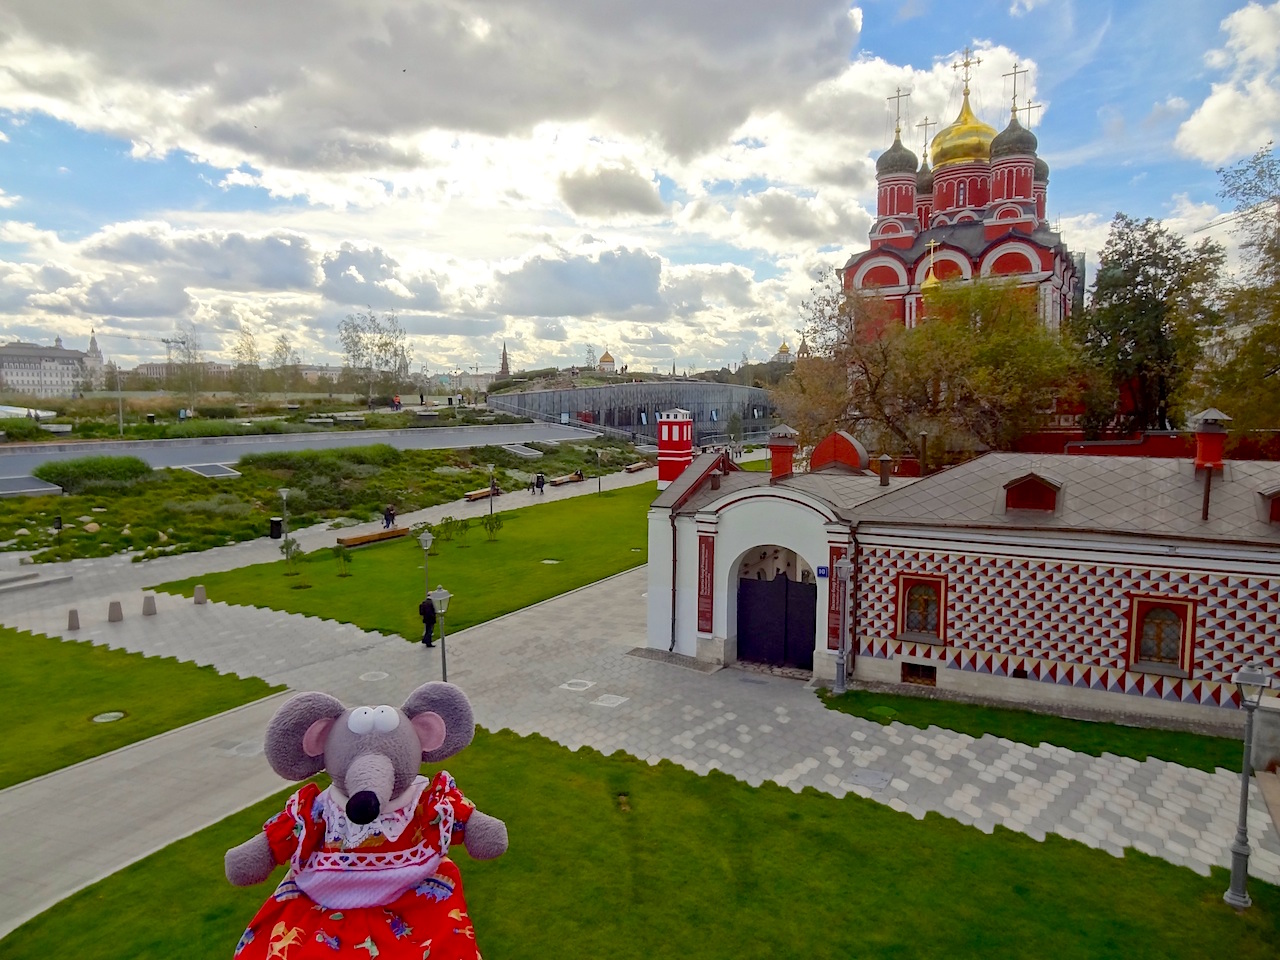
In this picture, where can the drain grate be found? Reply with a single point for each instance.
(577, 685)
(373, 675)
(111, 716)
(609, 700)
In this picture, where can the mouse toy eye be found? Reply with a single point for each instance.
(361, 720)
(385, 718)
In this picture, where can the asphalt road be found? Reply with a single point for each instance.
(18, 460)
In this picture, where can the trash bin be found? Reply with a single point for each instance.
(277, 528)
(151, 418)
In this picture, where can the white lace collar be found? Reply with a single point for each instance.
(389, 823)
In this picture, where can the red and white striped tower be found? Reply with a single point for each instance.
(675, 445)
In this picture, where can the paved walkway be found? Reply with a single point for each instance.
(563, 670)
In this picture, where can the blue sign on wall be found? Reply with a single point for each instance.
(823, 572)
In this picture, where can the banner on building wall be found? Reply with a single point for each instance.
(706, 583)
(833, 600)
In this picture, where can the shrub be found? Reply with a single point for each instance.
(218, 412)
(492, 523)
(21, 428)
(81, 473)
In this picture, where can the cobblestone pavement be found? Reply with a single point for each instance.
(563, 669)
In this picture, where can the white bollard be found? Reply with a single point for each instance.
(149, 605)
(114, 612)
(200, 594)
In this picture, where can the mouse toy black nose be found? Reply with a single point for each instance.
(363, 807)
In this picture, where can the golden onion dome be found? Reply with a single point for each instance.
(930, 283)
(966, 140)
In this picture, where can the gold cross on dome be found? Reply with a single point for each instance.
(1015, 73)
(927, 123)
(931, 246)
(898, 96)
(967, 64)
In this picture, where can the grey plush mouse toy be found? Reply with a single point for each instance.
(369, 873)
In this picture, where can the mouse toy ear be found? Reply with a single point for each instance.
(295, 738)
(453, 726)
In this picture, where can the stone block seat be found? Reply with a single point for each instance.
(377, 536)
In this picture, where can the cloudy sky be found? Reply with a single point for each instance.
(663, 179)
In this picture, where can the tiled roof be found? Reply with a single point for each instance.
(842, 490)
(1127, 495)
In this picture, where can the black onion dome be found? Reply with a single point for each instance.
(924, 178)
(897, 159)
(1013, 139)
(1042, 171)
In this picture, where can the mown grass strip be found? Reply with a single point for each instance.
(611, 857)
(587, 539)
(1022, 726)
(52, 689)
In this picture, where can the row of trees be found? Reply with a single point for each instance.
(1167, 332)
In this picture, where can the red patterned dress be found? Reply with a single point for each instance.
(382, 889)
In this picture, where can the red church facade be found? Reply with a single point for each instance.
(978, 212)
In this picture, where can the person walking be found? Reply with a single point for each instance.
(388, 517)
(541, 482)
(427, 611)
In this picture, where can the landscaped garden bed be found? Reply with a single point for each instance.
(112, 509)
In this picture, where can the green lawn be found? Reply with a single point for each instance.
(1021, 726)
(757, 466)
(51, 689)
(591, 537)
(612, 857)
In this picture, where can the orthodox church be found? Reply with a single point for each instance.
(977, 211)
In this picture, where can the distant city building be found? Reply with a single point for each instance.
(313, 372)
(606, 364)
(783, 355)
(162, 371)
(54, 371)
(504, 366)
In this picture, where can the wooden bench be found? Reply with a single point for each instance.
(375, 537)
(567, 478)
(481, 494)
(636, 467)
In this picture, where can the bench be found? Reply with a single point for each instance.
(636, 467)
(567, 478)
(375, 537)
(481, 494)
(320, 421)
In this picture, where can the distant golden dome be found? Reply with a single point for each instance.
(966, 140)
(930, 282)
(606, 357)
(784, 348)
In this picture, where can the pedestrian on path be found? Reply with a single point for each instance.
(427, 611)
(389, 517)
(541, 482)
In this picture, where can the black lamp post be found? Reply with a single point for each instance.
(1251, 680)
(440, 600)
(844, 569)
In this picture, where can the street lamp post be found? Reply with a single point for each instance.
(440, 600)
(492, 489)
(284, 499)
(1250, 681)
(599, 473)
(425, 540)
(844, 569)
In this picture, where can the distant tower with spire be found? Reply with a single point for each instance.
(504, 368)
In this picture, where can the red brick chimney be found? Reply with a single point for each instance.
(1211, 437)
(782, 449)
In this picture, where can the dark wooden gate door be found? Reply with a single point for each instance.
(777, 622)
(802, 624)
(762, 620)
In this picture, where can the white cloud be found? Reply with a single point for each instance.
(1020, 8)
(1243, 111)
